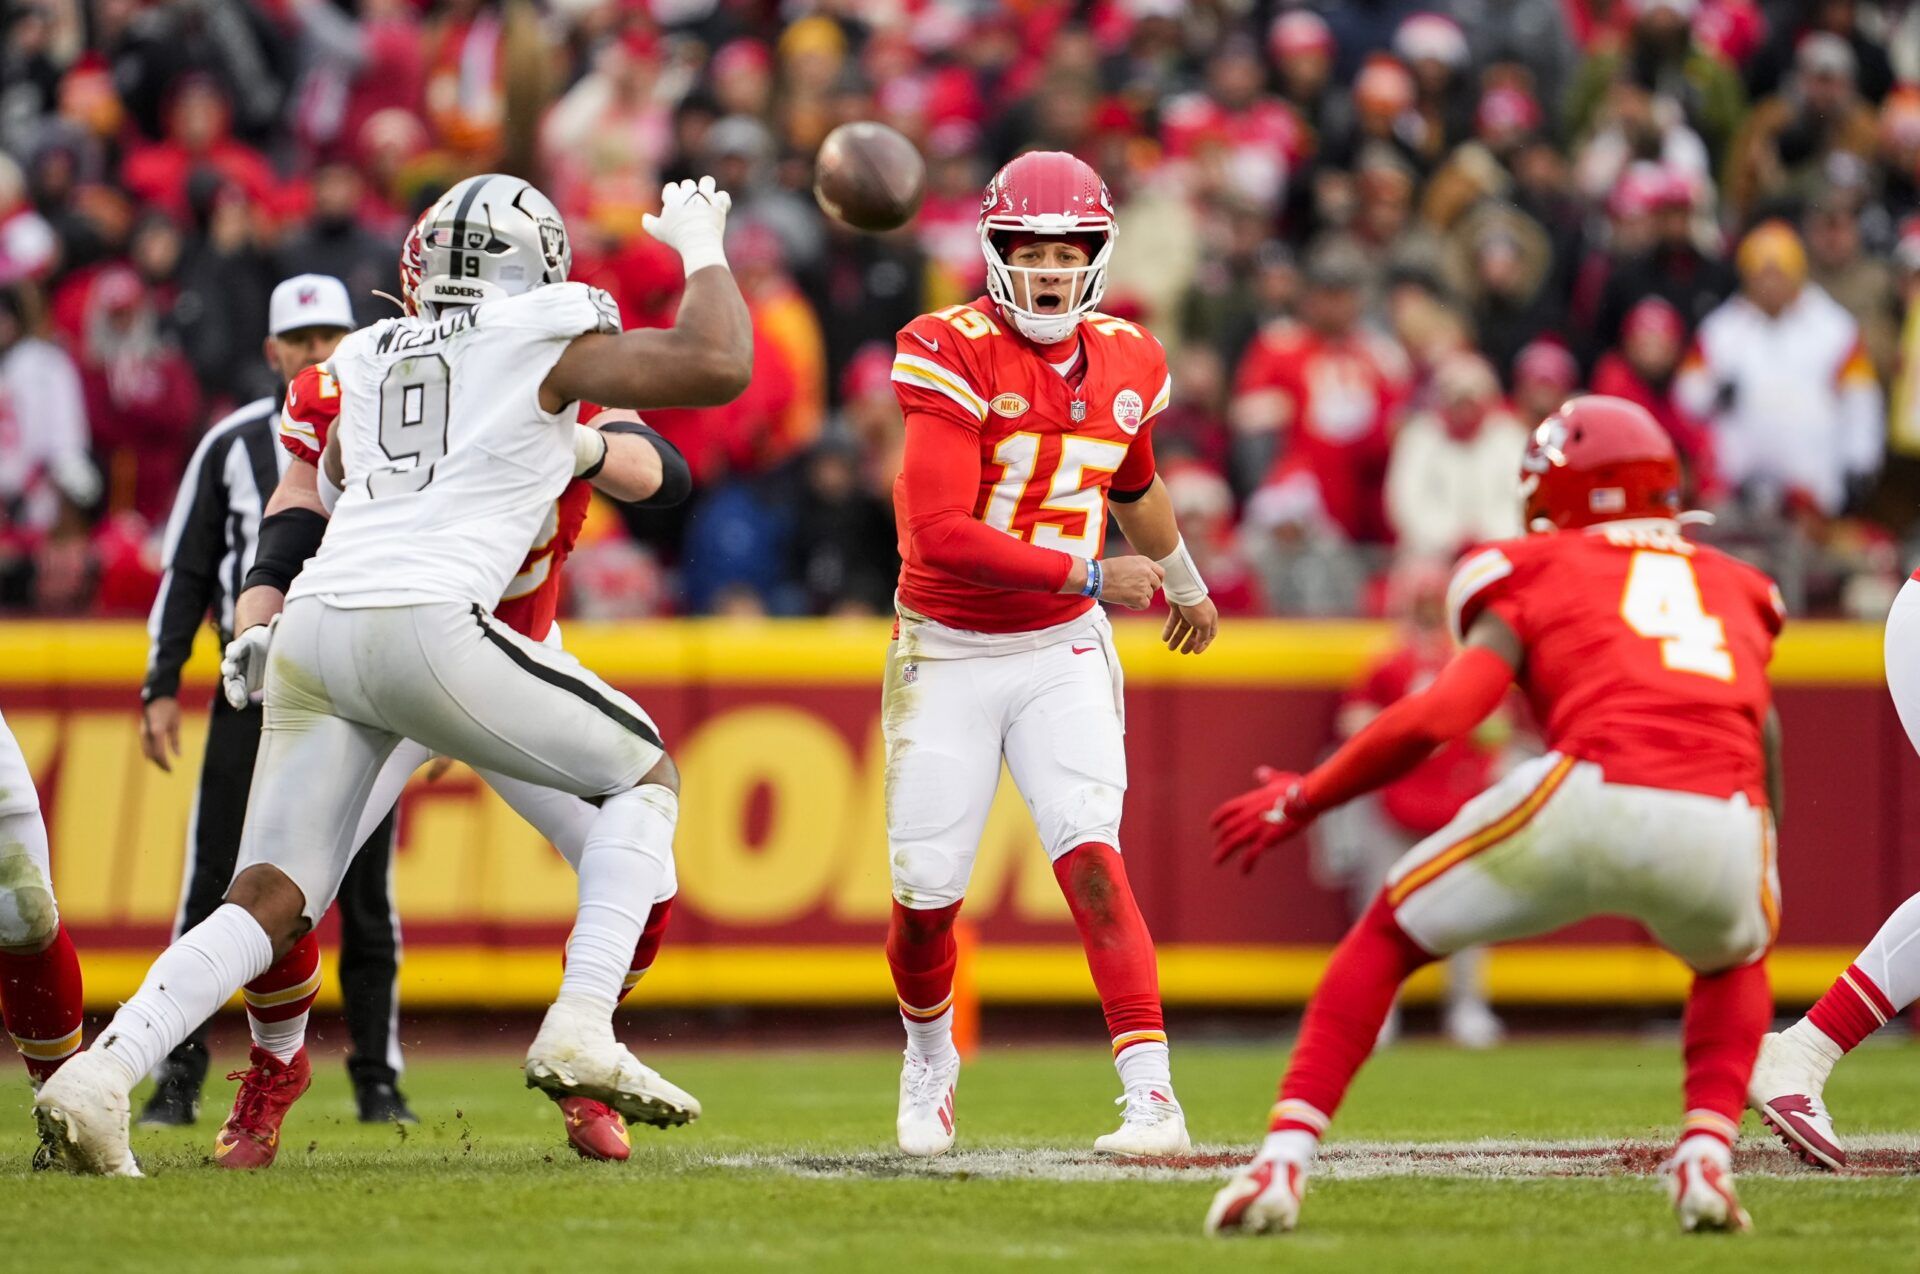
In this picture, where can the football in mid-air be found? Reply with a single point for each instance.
(869, 176)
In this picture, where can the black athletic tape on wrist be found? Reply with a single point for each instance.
(287, 539)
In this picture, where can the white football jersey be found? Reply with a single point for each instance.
(451, 466)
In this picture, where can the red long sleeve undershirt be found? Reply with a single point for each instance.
(1405, 734)
(941, 475)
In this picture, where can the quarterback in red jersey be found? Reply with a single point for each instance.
(614, 453)
(1028, 415)
(1644, 657)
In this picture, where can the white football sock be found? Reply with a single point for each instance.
(1146, 1066)
(1295, 1145)
(621, 873)
(1817, 1049)
(929, 1039)
(186, 986)
(1892, 959)
(282, 1039)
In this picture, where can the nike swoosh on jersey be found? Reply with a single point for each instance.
(1084, 650)
(932, 345)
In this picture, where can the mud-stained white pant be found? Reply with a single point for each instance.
(28, 915)
(344, 687)
(1052, 711)
(1554, 842)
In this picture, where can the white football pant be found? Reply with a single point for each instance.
(1554, 842)
(956, 703)
(344, 687)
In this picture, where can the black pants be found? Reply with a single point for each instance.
(369, 926)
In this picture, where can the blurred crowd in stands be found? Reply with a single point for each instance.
(1378, 239)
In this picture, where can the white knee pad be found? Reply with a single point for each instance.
(641, 819)
(28, 916)
(928, 874)
(1087, 811)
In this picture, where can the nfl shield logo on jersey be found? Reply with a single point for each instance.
(1127, 410)
(1078, 411)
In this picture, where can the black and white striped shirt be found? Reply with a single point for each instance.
(211, 536)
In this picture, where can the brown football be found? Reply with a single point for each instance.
(869, 176)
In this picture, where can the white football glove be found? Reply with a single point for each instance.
(692, 221)
(243, 668)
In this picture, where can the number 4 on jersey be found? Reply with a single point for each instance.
(1662, 601)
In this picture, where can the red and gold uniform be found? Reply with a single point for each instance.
(532, 600)
(1050, 447)
(1646, 654)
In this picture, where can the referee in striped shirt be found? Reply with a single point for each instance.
(210, 542)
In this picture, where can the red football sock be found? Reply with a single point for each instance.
(1727, 1013)
(922, 954)
(1344, 1018)
(1119, 949)
(647, 950)
(279, 999)
(41, 1005)
(1852, 1009)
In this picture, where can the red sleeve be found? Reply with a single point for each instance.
(1136, 470)
(1483, 581)
(313, 404)
(1469, 688)
(940, 474)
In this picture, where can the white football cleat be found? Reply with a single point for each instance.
(1785, 1092)
(925, 1123)
(1263, 1198)
(1470, 1024)
(83, 1113)
(1700, 1183)
(1153, 1125)
(576, 1055)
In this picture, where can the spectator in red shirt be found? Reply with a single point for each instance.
(1641, 369)
(1326, 391)
(197, 137)
(142, 398)
(1356, 850)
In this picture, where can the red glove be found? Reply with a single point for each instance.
(1256, 821)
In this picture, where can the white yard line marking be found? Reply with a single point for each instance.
(1489, 1159)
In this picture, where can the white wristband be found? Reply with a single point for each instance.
(329, 493)
(589, 450)
(1183, 585)
(708, 250)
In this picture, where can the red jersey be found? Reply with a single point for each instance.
(532, 598)
(1335, 400)
(1425, 799)
(1645, 654)
(997, 435)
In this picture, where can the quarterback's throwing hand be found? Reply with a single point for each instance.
(1130, 581)
(692, 220)
(243, 668)
(1255, 821)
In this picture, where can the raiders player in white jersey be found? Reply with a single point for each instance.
(455, 436)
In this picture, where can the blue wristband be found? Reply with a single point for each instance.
(1093, 579)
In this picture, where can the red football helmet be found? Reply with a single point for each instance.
(1051, 193)
(1599, 459)
(413, 261)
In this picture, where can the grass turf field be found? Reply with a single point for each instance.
(788, 1171)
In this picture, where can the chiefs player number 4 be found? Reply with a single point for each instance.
(1662, 601)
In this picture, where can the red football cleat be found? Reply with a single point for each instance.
(268, 1088)
(595, 1129)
